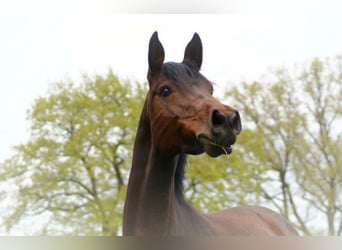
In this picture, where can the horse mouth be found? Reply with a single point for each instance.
(212, 148)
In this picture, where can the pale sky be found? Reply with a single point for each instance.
(43, 41)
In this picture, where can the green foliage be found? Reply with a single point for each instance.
(217, 183)
(320, 154)
(74, 168)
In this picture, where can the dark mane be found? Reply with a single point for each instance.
(179, 72)
(179, 177)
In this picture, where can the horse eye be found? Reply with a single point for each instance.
(165, 91)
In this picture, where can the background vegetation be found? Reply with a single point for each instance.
(71, 176)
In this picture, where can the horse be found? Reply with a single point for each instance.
(180, 116)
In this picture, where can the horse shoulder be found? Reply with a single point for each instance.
(250, 221)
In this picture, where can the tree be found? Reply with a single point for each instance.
(73, 170)
(295, 119)
(321, 152)
(213, 184)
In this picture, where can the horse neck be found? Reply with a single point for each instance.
(156, 210)
(139, 164)
(150, 193)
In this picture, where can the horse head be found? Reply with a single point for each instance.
(184, 116)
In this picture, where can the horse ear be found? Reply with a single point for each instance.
(193, 52)
(155, 55)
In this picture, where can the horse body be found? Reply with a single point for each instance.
(181, 117)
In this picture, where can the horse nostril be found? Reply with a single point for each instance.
(235, 121)
(219, 121)
(218, 118)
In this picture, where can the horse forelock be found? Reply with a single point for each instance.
(179, 73)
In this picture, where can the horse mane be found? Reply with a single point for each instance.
(179, 177)
(180, 73)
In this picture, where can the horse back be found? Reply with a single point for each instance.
(250, 220)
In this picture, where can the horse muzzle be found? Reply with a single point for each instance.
(224, 129)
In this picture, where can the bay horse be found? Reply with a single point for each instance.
(180, 116)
